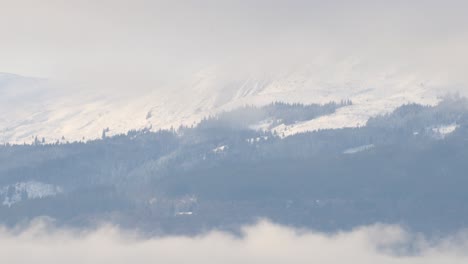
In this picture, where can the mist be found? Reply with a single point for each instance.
(126, 45)
(261, 243)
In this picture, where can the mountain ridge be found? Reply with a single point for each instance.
(74, 115)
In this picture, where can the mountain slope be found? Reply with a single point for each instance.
(33, 108)
(221, 175)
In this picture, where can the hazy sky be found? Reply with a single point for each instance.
(146, 42)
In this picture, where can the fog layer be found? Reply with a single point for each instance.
(262, 243)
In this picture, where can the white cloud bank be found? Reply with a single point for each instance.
(262, 243)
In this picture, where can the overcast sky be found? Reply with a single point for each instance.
(146, 42)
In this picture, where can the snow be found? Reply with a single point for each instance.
(263, 125)
(184, 213)
(256, 140)
(365, 105)
(51, 112)
(185, 205)
(15, 193)
(220, 149)
(358, 149)
(444, 130)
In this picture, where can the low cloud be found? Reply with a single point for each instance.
(125, 45)
(262, 243)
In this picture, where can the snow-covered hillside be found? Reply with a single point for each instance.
(15, 193)
(33, 108)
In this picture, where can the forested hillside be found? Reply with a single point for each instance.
(408, 167)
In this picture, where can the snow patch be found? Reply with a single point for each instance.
(264, 125)
(358, 149)
(256, 140)
(220, 149)
(444, 130)
(184, 213)
(366, 104)
(185, 206)
(15, 193)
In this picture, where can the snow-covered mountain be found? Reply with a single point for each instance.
(33, 108)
